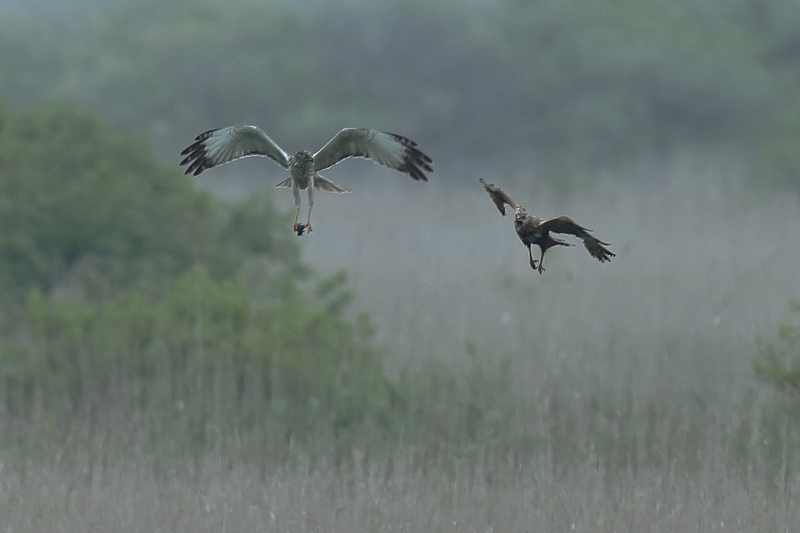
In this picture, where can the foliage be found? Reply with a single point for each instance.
(778, 365)
(778, 362)
(779, 162)
(569, 83)
(631, 77)
(136, 292)
(85, 208)
(130, 297)
(203, 345)
(137, 297)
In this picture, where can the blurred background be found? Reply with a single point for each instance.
(169, 339)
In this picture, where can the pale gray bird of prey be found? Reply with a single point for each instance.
(219, 146)
(533, 230)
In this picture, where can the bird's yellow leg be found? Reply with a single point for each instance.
(296, 216)
(530, 258)
(310, 206)
(541, 263)
(296, 195)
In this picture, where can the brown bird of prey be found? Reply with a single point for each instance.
(534, 230)
(216, 147)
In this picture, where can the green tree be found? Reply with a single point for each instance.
(134, 291)
(567, 82)
(86, 208)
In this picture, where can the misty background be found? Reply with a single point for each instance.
(174, 332)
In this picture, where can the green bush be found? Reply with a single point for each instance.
(127, 290)
(86, 208)
(778, 365)
(778, 362)
(199, 342)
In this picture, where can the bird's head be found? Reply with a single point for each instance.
(303, 157)
(520, 215)
(301, 161)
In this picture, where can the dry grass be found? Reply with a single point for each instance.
(702, 266)
(396, 497)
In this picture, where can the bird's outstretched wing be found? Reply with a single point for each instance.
(388, 149)
(499, 197)
(595, 246)
(216, 147)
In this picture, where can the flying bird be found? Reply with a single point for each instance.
(219, 146)
(533, 230)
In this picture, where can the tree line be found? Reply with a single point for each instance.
(563, 84)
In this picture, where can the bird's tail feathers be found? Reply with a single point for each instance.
(596, 249)
(285, 183)
(325, 185)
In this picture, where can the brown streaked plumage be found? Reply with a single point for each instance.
(533, 230)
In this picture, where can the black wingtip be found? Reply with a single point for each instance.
(195, 154)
